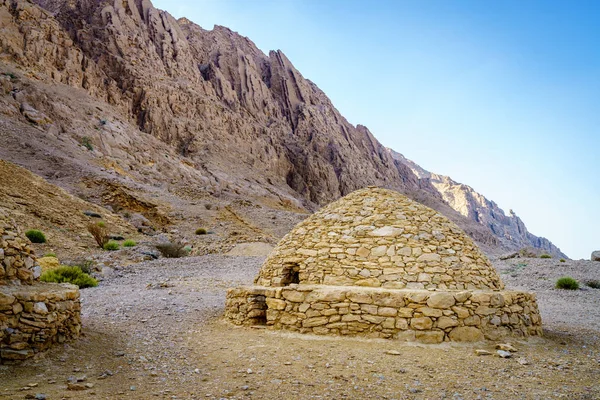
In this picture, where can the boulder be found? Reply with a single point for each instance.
(595, 255)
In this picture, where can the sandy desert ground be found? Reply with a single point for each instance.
(154, 330)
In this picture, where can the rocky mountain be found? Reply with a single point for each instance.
(124, 94)
(510, 229)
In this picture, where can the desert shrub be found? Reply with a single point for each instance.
(208, 206)
(563, 260)
(69, 274)
(50, 255)
(173, 250)
(129, 243)
(568, 283)
(87, 143)
(201, 231)
(101, 224)
(111, 246)
(545, 256)
(35, 236)
(100, 234)
(103, 122)
(594, 284)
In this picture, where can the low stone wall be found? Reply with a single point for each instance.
(425, 316)
(17, 262)
(246, 305)
(32, 318)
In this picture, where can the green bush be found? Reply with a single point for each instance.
(111, 246)
(35, 236)
(87, 143)
(563, 260)
(201, 231)
(101, 224)
(545, 256)
(68, 274)
(594, 284)
(129, 243)
(568, 283)
(50, 255)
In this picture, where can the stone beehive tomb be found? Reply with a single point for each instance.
(378, 264)
(33, 315)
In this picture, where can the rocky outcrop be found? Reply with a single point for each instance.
(240, 120)
(510, 229)
(595, 256)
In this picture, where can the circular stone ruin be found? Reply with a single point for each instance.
(378, 264)
(33, 315)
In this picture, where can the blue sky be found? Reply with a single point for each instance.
(501, 95)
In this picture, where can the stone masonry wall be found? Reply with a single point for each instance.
(246, 306)
(17, 262)
(33, 315)
(32, 320)
(379, 238)
(425, 316)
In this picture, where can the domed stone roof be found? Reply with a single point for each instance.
(379, 238)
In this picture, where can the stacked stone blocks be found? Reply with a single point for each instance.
(425, 316)
(33, 315)
(378, 264)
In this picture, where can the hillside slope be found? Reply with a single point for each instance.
(510, 229)
(167, 104)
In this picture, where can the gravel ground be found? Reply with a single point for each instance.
(153, 330)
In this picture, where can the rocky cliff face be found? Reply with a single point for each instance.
(240, 121)
(473, 205)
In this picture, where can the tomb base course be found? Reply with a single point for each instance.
(409, 315)
(34, 317)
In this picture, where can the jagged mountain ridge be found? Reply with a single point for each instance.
(245, 121)
(473, 205)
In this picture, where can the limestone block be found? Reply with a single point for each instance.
(379, 251)
(387, 311)
(461, 312)
(389, 299)
(327, 295)
(363, 252)
(429, 337)
(370, 282)
(466, 334)
(386, 231)
(441, 300)
(446, 322)
(275, 304)
(421, 323)
(429, 257)
(293, 296)
(359, 297)
(405, 336)
(416, 297)
(485, 310)
(401, 323)
(317, 321)
(430, 312)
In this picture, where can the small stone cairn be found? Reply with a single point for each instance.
(378, 264)
(33, 314)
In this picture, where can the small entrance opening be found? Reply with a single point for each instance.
(291, 274)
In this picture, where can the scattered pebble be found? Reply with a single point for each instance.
(504, 354)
